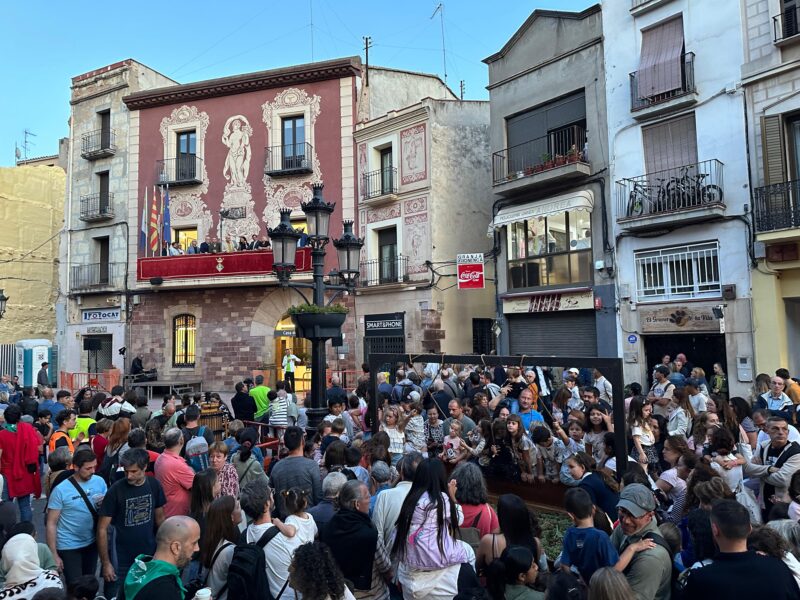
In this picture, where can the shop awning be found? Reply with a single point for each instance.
(583, 200)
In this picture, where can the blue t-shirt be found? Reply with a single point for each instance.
(54, 408)
(75, 524)
(528, 417)
(588, 549)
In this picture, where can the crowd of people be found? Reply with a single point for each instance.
(158, 506)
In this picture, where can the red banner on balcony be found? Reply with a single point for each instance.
(190, 266)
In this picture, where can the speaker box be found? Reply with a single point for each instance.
(91, 344)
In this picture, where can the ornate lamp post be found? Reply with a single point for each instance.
(284, 240)
(3, 300)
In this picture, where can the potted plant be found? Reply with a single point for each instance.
(560, 160)
(573, 155)
(528, 171)
(538, 168)
(511, 176)
(547, 160)
(318, 322)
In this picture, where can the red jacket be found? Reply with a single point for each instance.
(19, 451)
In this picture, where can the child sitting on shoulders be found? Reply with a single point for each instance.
(454, 448)
(587, 549)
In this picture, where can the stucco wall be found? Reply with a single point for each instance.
(391, 89)
(32, 213)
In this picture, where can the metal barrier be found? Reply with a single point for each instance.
(102, 382)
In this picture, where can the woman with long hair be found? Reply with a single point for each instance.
(519, 526)
(761, 385)
(118, 436)
(393, 424)
(424, 542)
(314, 574)
(522, 447)
(743, 412)
(598, 422)
(510, 575)
(702, 429)
(205, 487)
(561, 404)
(248, 467)
(221, 537)
(643, 439)
(669, 482)
(681, 414)
(609, 584)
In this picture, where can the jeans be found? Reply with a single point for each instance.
(23, 503)
(80, 561)
(288, 377)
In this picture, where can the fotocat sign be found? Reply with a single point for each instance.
(469, 268)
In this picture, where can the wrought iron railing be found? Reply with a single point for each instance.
(381, 271)
(777, 206)
(786, 24)
(183, 170)
(670, 191)
(557, 148)
(289, 159)
(379, 183)
(97, 276)
(660, 76)
(98, 143)
(97, 207)
(678, 273)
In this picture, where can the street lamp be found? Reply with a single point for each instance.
(3, 300)
(284, 240)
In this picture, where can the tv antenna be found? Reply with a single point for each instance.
(25, 145)
(440, 10)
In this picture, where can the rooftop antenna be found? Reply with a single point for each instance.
(462, 88)
(367, 46)
(26, 143)
(440, 10)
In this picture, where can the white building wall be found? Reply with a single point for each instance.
(713, 31)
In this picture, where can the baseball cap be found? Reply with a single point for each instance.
(637, 499)
(413, 396)
(573, 370)
(44, 364)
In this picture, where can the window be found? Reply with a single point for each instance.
(552, 250)
(483, 339)
(294, 142)
(790, 24)
(186, 165)
(103, 199)
(387, 175)
(105, 128)
(101, 249)
(670, 145)
(661, 60)
(678, 273)
(183, 341)
(185, 237)
(387, 255)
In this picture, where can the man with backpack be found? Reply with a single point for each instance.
(256, 572)
(650, 572)
(196, 439)
(135, 507)
(72, 516)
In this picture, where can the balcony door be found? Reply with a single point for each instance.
(103, 200)
(293, 142)
(387, 255)
(387, 175)
(102, 260)
(186, 165)
(105, 129)
(790, 25)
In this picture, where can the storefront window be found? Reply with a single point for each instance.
(552, 250)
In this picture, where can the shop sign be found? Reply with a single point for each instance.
(671, 319)
(469, 268)
(384, 325)
(96, 329)
(100, 315)
(549, 303)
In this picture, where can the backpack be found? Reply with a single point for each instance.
(660, 541)
(247, 573)
(472, 535)
(197, 451)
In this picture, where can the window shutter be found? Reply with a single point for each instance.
(773, 149)
(670, 145)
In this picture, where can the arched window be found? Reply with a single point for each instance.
(183, 341)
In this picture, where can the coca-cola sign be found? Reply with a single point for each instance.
(469, 268)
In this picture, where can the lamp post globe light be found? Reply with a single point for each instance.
(3, 301)
(284, 239)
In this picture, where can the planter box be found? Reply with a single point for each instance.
(322, 326)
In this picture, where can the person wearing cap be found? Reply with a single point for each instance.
(43, 378)
(650, 572)
(380, 480)
(737, 572)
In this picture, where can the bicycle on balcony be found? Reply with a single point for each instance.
(640, 199)
(688, 190)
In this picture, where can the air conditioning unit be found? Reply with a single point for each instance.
(729, 292)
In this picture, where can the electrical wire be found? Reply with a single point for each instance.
(29, 252)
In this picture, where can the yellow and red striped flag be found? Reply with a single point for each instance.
(154, 225)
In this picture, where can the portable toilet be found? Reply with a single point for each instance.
(30, 356)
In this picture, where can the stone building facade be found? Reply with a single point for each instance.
(422, 200)
(771, 84)
(94, 250)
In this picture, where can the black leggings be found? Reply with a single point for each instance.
(80, 561)
(289, 379)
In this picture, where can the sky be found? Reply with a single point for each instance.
(44, 44)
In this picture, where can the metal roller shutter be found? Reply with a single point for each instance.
(569, 333)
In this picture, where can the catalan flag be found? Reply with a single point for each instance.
(154, 229)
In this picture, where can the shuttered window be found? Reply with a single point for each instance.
(661, 60)
(183, 341)
(772, 142)
(568, 333)
(670, 144)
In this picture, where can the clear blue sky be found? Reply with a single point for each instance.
(45, 43)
